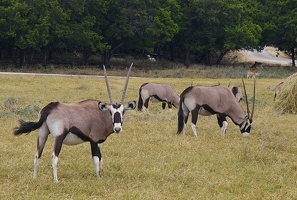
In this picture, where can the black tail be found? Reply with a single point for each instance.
(181, 117)
(140, 101)
(27, 127)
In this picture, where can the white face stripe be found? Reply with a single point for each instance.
(117, 113)
(245, 125)
(117, 117)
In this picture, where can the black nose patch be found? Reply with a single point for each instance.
(117, 118)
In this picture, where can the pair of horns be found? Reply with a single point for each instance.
(125, 87)
(246, 99)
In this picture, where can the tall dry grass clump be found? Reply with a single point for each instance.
(286, 102)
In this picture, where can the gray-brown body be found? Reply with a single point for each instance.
(87, 121)
(157, 93)
(208, 101)
(75, 123)
(95, 124)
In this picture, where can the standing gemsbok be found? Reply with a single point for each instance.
(87, 121)
(157, 93)
(213, 100)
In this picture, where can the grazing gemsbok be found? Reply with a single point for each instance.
(213, 100)
(87, 121)
(157, 93)
(277, 90)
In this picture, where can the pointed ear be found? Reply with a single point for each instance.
(131, 105)
(102, 106)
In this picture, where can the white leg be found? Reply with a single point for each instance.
(145, 109)
(223, 129)
(36, 164)
(55, 167)
(98, 165)
(184, 129)
(193, 126)
(170, 109)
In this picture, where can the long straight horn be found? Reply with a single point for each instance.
(246, 99)
(107, 86)
(254, 99)
(126, 85)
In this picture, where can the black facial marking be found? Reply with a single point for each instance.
(76, 131)
(117, 118)
(245, 128)
(116, 106)
(234, 90)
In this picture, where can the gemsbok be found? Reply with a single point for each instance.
(157, 93)
(87, 121)
(213, 100)
(277, 90)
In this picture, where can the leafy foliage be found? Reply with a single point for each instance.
(194, 30)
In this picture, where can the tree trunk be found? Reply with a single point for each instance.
(171, 51)
(45, 57)
(206, 58)
(31, 57)
(86, 56)
(105, 59)
(293, 57)
(50, 54)
(22, 57)
(221, 56)
(187, 59)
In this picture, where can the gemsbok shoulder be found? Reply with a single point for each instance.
(71, 124)
(213, 100)
(157, 93)
(221, 118)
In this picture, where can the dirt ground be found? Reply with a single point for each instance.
(268, 56)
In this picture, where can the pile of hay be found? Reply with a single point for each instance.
(286, 101)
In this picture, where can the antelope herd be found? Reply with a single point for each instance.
(93, 121)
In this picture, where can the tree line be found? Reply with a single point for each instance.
(200, 31)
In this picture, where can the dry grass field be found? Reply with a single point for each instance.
(148, 160)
